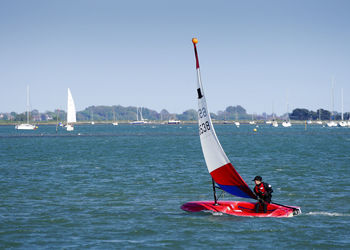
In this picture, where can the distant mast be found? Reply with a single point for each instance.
(332, 98)
(28, 104)
(342, 105)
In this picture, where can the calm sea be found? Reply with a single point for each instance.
(107, 186)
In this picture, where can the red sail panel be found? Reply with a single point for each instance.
(230, 181)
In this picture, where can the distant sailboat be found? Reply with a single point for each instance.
(237, 122)
(319, 121)
(115, 123)
(342, 123)
(252, 122)
(172, 122)
(141, 121)
(92, 117)
(71, 113)
(287, 123)
(331, 122)
(26, 126)
(273, 123)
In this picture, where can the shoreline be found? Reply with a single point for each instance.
(231, 122)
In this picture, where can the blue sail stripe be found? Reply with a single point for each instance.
(235, 190)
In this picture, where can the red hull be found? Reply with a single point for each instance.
(241, 208)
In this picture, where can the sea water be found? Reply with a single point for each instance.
(107, 186)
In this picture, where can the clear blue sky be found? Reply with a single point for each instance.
(139, 53)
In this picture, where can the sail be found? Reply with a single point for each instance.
(219, 166)
(71, 114)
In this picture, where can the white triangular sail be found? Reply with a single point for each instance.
(71, 113)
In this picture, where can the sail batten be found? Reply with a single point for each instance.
(219, 166)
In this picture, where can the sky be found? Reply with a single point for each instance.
(257, 54)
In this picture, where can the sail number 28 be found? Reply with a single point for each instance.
(205, 126)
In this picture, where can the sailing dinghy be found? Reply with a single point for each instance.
(223, 174)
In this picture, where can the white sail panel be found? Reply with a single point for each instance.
(71, 113)
(214, 155)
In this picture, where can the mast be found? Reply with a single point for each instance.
(200, 94)
(319, 114)
(214, 192)
(342, 105)
(141, 114)
(332, 98)
(57, 119)
(27, 104)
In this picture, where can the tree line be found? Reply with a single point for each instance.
(118, 112)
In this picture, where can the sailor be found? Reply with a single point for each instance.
(263, 192)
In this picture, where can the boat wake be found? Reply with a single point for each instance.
(213, 213)
(328, 214)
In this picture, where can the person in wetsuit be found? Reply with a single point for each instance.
(263, 192)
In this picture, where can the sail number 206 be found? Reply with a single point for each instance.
(205, 126)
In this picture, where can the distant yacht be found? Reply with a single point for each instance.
(331, 122)
(252, 122)
(237, 122)
(92, 117)
(287, 123)
(172, 122)
(115, 123)
(71, 113)
(274, 123)
(319, 121)
(141, 121)
(26, 126)
(342, 123)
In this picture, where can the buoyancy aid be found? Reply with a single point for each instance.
(260, 189)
